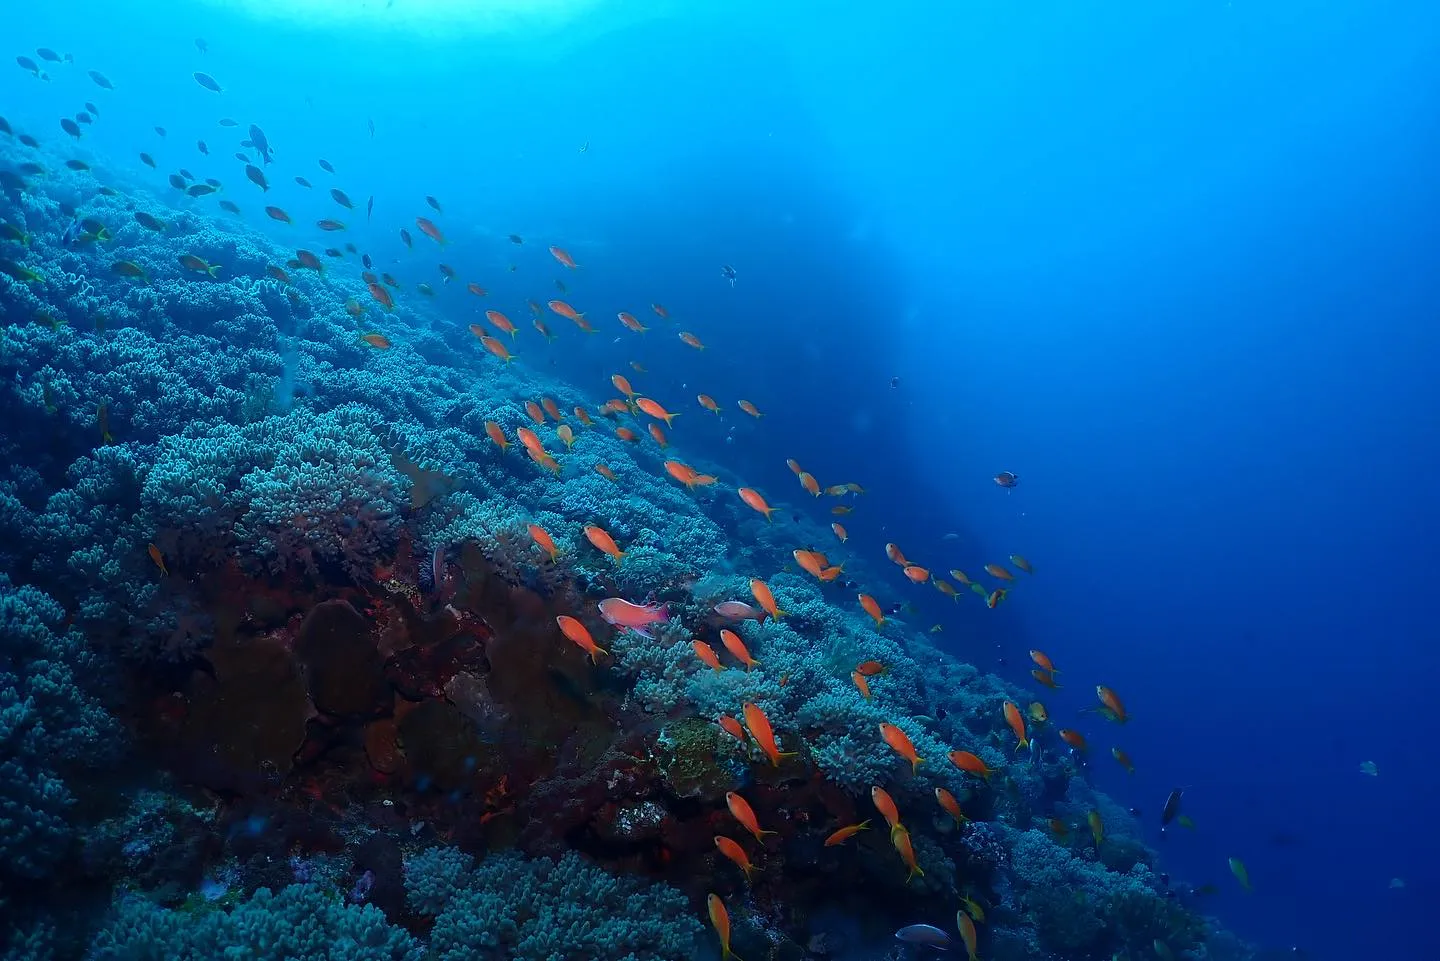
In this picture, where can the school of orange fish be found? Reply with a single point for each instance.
(755, 728)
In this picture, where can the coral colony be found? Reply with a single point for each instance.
(299, 662)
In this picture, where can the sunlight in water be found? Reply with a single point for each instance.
(426, 17)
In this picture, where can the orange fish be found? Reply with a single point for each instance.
(766, 599)
(683, 473)
(1114, 709)
(763, 734)
(745, 814)
(737, 648)
(546, 543)
(842, 510)
(576, 631)
(893, 552)
(381, 295)
(501, 322)
(659, 435)
(1017, 724)
(606, 472)
(536, 414)
(566, 434)
(735, 853)
(749, 408)
(583, 416)
(885, 804)
(707, 655)
(967, 933)
(840, 532)
(951, 806)
(794, 466)
(753, 498)
(993, 599)
(565, 310)
(719, 917)
(1075, 739)
(1043, 659)
(549, 406)
(861, 683)
(809, 482)
(539, 325)
(376, 340)
(627, 435)
(970, 763)
(655, 410)
(1058, 827)
(1123, 758)
(623, 385)
(275, 213)
(476, 289)
(733, 728)
(995, 570)
(708, 402)
(603, 542)
(870, 668)
(564, 258)
(430, 230)
(872, 607)
(545, 461)
(901, 839)
(811, 562)
(839, 490)
(900, 743)
(691, 339)
(629, 321)
(497, 348)
(946, 588)
(1045, 678)
(530, 440)
(846, 833)
(917, 573)
(660, 311)
(159, 559)
(497, 435)
(584, 325)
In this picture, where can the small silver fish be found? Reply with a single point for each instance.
(926, 935)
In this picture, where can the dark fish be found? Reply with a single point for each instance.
(1007, 478)
(47, 54)
(371, 122)
(92, 109)
(186, 174)
(160, 131)
(83, 117)
(147, 160)
(369, 208)
(201, 45)
(227, 122)
(70, 127)
(332, 252)
(302, 182)
(27, 64)
(241, 157)
(1172, 807)
(369, 264)
(101, 80)
(351, 248)
(28, 141)
(213, 182)
(33, 169)
(728, 273)
(230, 206)
(106, 191)
(247, 144)
(405, 236)
(339, 197)
(203, 149)
(127, 268)
(516, 239)
(200, 190)
(10, 181)
(259, 143)
(5, 127)
(390, 280)
(77, 165)
(256, 176)
(560, 286)
(426, 289)
(207, 81)
(178, 182)
(325, 166)
(149, 222)
(434, 203)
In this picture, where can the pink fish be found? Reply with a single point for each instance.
(637, 617)
(739, 611)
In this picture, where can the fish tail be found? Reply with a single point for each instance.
(213, 269)
(598, 650)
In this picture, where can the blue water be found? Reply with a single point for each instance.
(1178, 267)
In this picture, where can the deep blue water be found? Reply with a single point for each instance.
(1178, 269)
